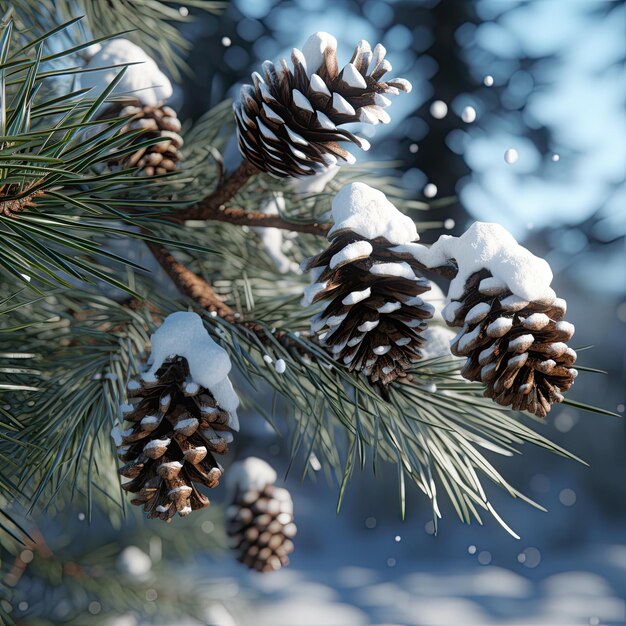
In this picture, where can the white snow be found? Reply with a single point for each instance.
(521, 343)
(365, 327)
(402, 270)
(342, 106)
(280, 366)
(116, 435)
(314, 48)
(381, 100)
(513, 303)
(335, 320)
(183, 334)
(367, 212)
(149, 419)
(251, 474)
(301, 101)
(144, 81)
(265, 131)
(272, 115)
(182, 424)
(353, 77)
(357, 296)
(565, 327)
(437, 342)
(273, 239)
(133, 385)
(499, 327)
(318, 85)
(191, 388)
(157, 443)
(536, 321)
(311, 291)
(296, 138)
(389, 307)
(325, 121)
(351, 252)
(405, 85)
(380, 350)
(492, 247)
(468, 339)
(491, 286)
(450, 310)
(477, 313)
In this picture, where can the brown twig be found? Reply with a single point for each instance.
(190, 284)
(213, 208)
(199, 290)
(216, 201)
(239, 217)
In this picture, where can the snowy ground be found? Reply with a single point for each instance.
(397, 574)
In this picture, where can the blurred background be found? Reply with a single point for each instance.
(518, 115)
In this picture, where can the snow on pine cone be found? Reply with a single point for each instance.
(175, 429)
(260, 518)
(180, 414)
(157, 121)
(288, 120)
(516, 348)
(374, 315)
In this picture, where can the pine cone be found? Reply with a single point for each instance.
(260, 524)
(287, 122)
(516, 348)
(374, 316)
(176, 427)
(156, 121)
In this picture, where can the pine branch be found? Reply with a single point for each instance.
(240, 217)
(190, 284)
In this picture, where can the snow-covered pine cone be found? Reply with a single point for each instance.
(288, 120)
(516, 348)
(260, 518)
(154, 121)
(176, 426)
(374, 315)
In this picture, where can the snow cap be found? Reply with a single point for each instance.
(183, 334)
(251, 474)
(367, 212)
(491, 247)
(314, 48)
(144, 81)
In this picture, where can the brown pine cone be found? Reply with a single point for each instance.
(175, 428)
(155, 121)
(260, 525)
(374, 316)
(516, 348)
(288, 121)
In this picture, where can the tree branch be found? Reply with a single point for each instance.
(214, 202)
(190, 284)
(239, 217)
